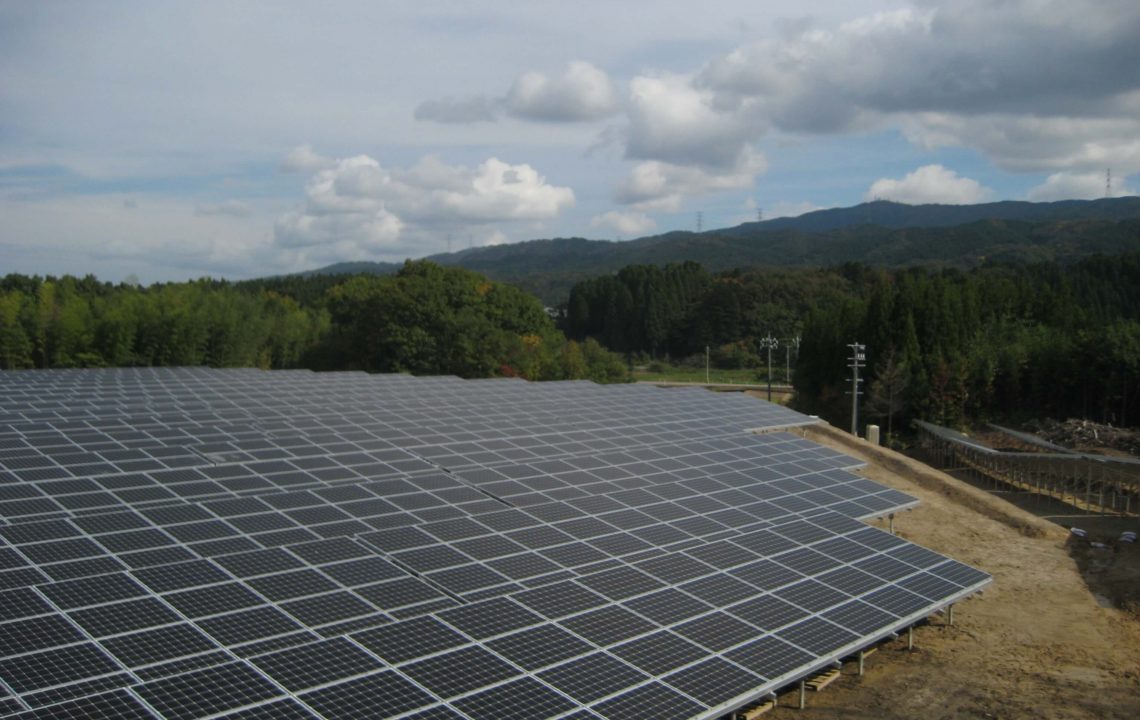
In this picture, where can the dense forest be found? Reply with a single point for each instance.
(947, 345)
(425, 319)
(998, 341)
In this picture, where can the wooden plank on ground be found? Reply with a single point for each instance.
(754, 711)
(822, 680)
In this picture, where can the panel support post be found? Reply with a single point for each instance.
(803, 694)
(910, 638)
(1100, 490)
(860, 662)
(1088, 486)
(891, 520)
(950, 614)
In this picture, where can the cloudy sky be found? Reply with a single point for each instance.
(169, 140)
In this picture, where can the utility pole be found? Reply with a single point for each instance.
(788, 358)
(858, 359)
(707, 365)
(769, 343)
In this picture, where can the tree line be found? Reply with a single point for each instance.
(424, 319)
(677, 310)
(946, 345)
(943, 344)
(81, 322)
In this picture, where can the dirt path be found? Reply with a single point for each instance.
(1036, 644)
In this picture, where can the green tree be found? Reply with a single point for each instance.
(888, 394)
(15, 348)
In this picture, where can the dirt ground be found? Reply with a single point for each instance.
(1036, 644)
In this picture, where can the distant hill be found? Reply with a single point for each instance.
(898, 215)
(354, 268)
(877, 233)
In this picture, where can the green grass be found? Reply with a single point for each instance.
(697, 375)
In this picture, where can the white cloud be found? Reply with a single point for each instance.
(1034, 84)
(1035, 144)
(234, 208)
(358, 234)
(359, 209)
(672, 121)
(304, 159)
(583, 92)
(498, 191)
(625, 223)
(929, 184)
(1076, 186)
(657, 185)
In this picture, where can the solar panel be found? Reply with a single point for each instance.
(539, 647)
(244, 544)
(157, 645)
(714, 681)
(205, 692)
(650, 700)
(316, 664)
(382, 694)
(522, 698)
(592, 677)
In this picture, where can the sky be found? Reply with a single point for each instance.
(159, 141)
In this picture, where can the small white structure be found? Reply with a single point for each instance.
(873, 434)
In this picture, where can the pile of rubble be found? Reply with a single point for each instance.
(1087, 436)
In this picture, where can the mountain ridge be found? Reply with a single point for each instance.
(876, 233)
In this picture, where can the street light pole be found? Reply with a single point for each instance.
(707, 365)
(858, 359)
(788, 358)
(770, 343)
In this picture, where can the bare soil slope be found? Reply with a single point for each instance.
(1036, 644)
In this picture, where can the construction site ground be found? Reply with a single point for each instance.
(1046, 640)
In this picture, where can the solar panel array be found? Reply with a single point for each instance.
(191, 543)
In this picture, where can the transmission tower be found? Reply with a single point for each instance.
(1108, 183)
(700, 221)
(759, 215)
